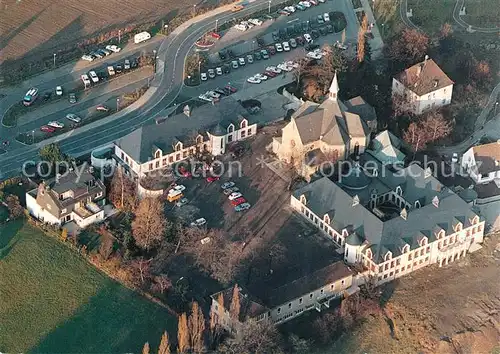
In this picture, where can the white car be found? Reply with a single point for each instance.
(218, 70)
(279, 47)
(290, 9)
(113, 48)
(126, 64)
(211, 73)
(111, 70)
(212, 94)
(93, 76)
(204, 76)
(241, 27)
(273, 69)
(205, 98)
(308, 38)
(247, 24)
(305, 3)
(314, 55)
(254, 80)
(176, 189)
(87, 57)
(340, 45)
(241, 61)
(73, 117)
(261, 77)
(199, 222)
(285, 67)
(55, 124)
(454, 158)
(235, 195)
(227, 185)
(85, 79)
(326, 17)
(292, 64)
(59, 91)
(286, 46)
(255, 21)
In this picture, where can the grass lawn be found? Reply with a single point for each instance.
(482, 13)
(4, 213)
(53, 301)
(430, 14)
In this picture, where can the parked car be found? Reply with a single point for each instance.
(238, 201)
(255, 21)
(283, 12)
(329, 29)
(182, 202)
(47, 95)
(257, 55)
(323, 31)
(72, 98)
(286, 46)
(293, 43)
(271, 50)
(285, 67)
(126, 64)
(235, 195)
(279, 47)
(273, 69)
(290, 9)
(242, 207)
(218, 70)
(203, 76)
(102, 108)
(222, 55)
(314, 55)
(221, 91)
(300, 40)
(211, 73)
(104, 51)
(212, 94)
(300, 6)
(88, 57)
(59, 91)
(249, 58)
(276, 36)
(93, 77)
(85, 79)
(55, 124)
(199, 222)
(261, 42)
(314, 34)
(305, 3)
(265, 54)
(233, 90)
(326, 17)
(241, 27)
(177, 188)
(227, 185)
(254, 80)
(271, 73)
(111, 70)
(211, 179)
(234, 64)
(313, 2)
(226, 68)
(73, 117)
(47, 129)
(261, 77)
(118, 68)
(96, 54)
(308, 38)
(241, 61)
(113, 48)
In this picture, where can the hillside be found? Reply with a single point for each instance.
(454, 309)
(31, 27)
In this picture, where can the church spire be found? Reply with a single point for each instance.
(334, 88)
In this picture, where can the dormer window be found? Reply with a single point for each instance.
(303, 199)
(178, 146)
(399, 191)
(345, 233)
(388, 256)
(440, 234)
(423, 241)
(157, 154)
(230, 128)
(369, 253)
(199, 139)
(326, 219)
(243, 123)
(475, 220)
(458, 227)
(417, 204)
(406, 248)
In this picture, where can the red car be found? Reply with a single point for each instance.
(271, 50)
(47, 129)
(270, 73)
(238, 201)
(212, 179)
(187, 174)
(231, 88)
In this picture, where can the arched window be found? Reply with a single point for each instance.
(406, 249)
(303, 199)
(178, 146)
(199, 139)
(399, 191)
(243, 123)
(326, 219)
(388, 256)
(417, 204)
(230, 128)
(423, 241)
(369, 253)
(157, 154)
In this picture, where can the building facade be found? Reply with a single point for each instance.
(482, 163)
(422, 87)
(73, 197)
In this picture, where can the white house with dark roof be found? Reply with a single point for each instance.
(391, 221)
(311, 292)
(482, 163)
(423, 86)
(329, 131)
(208, 128)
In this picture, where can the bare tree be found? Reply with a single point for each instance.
(14, 206)
(363, 29)
(234, 309)
(141, 270)
(161, 283)
(148, 227)
(410, 46)
(145, 349)
(182, 334)
(123, 192)
(445, 31)
(436, 126)
(414, 136)
(196, 326)
(164, 347)
(106, 246)
(254, 338)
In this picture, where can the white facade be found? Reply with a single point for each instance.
(473, 167)
(420, 104)
(40, 213)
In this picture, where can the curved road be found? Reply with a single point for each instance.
(164, 89)
(456, 16)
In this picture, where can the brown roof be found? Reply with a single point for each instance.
(424, 77)
(249, 307)
(330, 274)
(487, 157)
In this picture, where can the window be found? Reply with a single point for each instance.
(398, 261)
(177, 157)
(386, 266)
(300, 301)
(243, 133)
(230, 129)
(444, 90)
(440, 244)
(422, 252)
(249, 132)
(157, 154)
(63, 211)
(151, 166)
(199, 139)
(322, 291)
(157, 164)
(343, 281)
(429, 97)
(290, 305)
(170, 159)
(410, 257)
(165, 161)
(311, 295)
(243, 124)
(184, 154)
(332, 286)
(229, 138)
(122, 156)
(279, 310)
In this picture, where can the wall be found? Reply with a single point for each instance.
(98, 162)
(87, 221)
(39, 213)
(144, 192)
(420, 104)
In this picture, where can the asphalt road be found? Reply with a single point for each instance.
(166, 87)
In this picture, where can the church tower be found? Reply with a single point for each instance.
(334, 88)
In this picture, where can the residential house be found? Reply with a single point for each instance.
(385, 147)
(208, 128)
(391, 221)
(482, 163)
(330, 131)
(314, 291)
(76, 197)
(422, 87)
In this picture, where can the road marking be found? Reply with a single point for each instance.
(294, 20)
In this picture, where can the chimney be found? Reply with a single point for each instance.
(58, 176)
(41, 188)
(419, 69)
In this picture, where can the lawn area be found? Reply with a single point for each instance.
(54, 301)
(4, 213)
(430, 15)
(482, 13)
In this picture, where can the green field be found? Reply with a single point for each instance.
(53, 301)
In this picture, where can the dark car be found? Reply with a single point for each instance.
(230, 53)
(311, 46)
(226, 68)
(276, 36)
(282, 34)
(305, 26)
(222, 55)
(290, 31)
(221, 91)
(300, 40)
(293, 43)
(323, 31)
(297, 28)
(134, 63)
(118, 68)
(329, 28)
(271, 50)
(265, 54)
(257, 56)
(46, 96)
(270, 73)
(261, 42)
(314, 34)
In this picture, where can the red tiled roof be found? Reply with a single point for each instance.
(424, 77)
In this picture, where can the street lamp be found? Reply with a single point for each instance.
(269, 6)
(383, 32)
(194, 10)
(154, 63)
(54, 60)
(216, 25)
(117, 103)
(32, 136)
(119, 36)
(199, 67)
(496, 105)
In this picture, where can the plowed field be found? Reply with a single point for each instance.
(32, 27)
